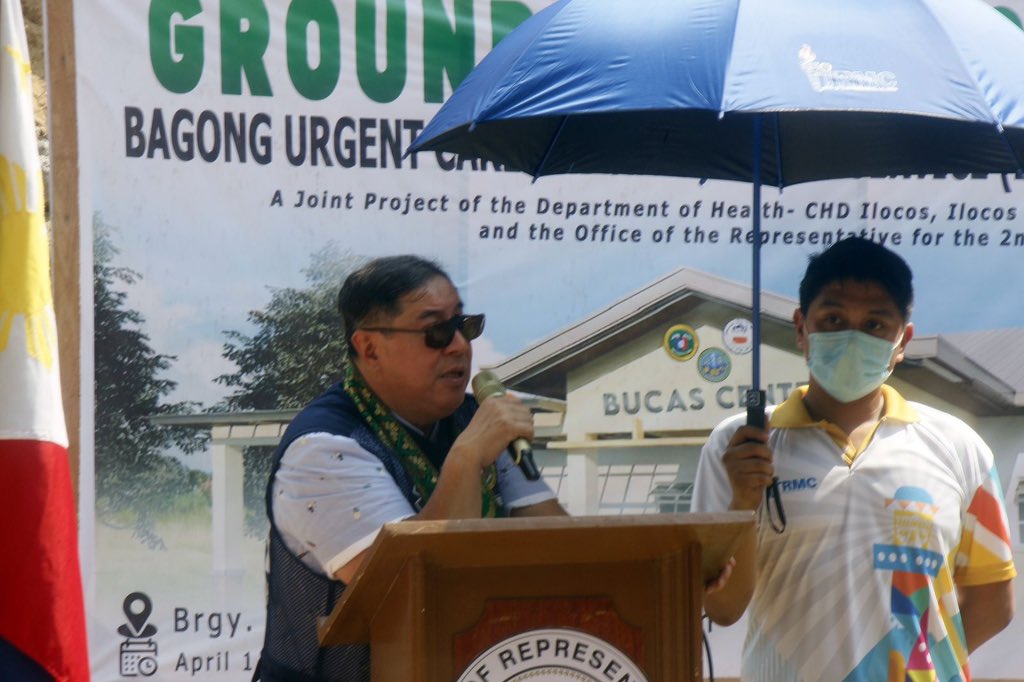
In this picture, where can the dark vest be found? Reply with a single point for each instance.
(298, 596)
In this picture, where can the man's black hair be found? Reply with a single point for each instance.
(378, 286)
(862, 260)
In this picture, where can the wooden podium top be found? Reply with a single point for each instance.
(532, 541)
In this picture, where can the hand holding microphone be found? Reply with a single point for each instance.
(486, 385)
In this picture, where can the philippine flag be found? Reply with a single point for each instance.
(42, 619)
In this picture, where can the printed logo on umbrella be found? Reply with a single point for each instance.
(824, 77)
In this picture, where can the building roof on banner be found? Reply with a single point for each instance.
(990, 350)
(972, 369)
(981, 365)
(685, 295)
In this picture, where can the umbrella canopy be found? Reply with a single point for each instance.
(864, 88)
(778, 92)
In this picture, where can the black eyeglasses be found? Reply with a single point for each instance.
(440, 335)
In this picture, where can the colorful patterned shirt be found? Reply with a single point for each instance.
(861, 585)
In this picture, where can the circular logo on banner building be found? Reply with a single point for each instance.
(681, 342)
(714, 364)
(738, 336)
(552, 655)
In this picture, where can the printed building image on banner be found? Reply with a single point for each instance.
(242, 157)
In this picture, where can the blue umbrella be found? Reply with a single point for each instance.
(778, 92)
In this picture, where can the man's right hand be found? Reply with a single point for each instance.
(498, 421)
(748, 461)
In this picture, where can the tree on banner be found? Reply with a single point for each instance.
(42, 619)
(137, 482)
(296, 352)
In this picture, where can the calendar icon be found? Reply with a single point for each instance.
(138, 657)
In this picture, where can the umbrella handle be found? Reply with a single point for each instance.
(755, 400)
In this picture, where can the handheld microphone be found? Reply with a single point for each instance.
(487, 384)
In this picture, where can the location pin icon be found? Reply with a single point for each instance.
(137, 617)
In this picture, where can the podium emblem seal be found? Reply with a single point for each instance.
(552, 655)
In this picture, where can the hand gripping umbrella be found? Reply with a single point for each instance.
(779, 92)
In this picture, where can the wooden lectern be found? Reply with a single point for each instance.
(433, 597)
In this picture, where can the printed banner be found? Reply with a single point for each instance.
(238, 158)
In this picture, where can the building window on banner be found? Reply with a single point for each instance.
(645, 488)
(629, 488)
(673, 498)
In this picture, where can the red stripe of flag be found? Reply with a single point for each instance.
(41, 610)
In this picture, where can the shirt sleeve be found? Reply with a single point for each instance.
(330, 499)
(985, 554)
(515, 489)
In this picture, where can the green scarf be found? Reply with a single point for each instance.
(395, 437)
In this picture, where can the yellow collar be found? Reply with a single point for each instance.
(792, 414)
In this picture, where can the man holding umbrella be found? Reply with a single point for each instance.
(893, 558)
(895, 563)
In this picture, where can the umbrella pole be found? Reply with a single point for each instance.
(755, 397)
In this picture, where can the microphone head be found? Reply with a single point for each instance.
(486, 384)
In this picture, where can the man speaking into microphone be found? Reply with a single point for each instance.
(398, 438)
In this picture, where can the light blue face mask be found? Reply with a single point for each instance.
(849, 364)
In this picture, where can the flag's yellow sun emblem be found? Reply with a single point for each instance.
(24, 262)
(22, 65)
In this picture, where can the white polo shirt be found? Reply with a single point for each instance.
(331, 498)
(861, 583)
